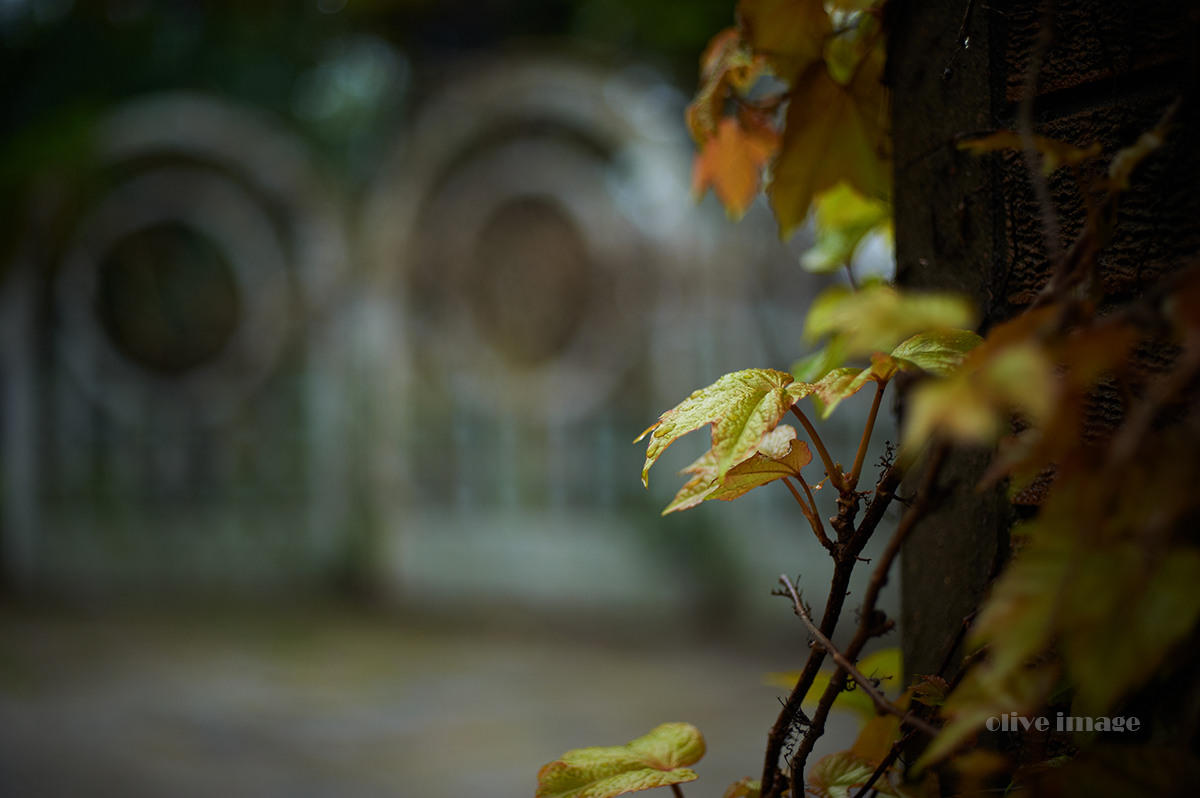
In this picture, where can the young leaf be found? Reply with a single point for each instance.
(842, 775)
(703, 483)
(878, 317)
(1054, 153)
(657, 759)
(731, 161)
(930, 690)
(832, 133)
(761, 469)
(779, 455)
(742, 407)
(843, 217)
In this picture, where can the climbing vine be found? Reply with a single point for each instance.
(1096, 612)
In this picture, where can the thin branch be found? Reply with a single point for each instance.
(810, 512)
(677, 791)
(863, 682)
(916, 512)
(852, 482)
(773, 782)
(867, 630)
(835, 476)
(897, 747)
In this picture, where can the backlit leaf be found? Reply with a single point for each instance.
(842, 775)
(1054, 153)
(731, 161)
(832, 133)
(878, 317)
(742, 407)
(789, 33)
(843, 217)
(657, 759)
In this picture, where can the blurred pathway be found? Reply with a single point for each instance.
(336, 704)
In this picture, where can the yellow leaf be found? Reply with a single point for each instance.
(656, 759)
(832, 133)
(875, 740)
(789, 33)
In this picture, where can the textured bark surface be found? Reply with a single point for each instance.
(974, 225)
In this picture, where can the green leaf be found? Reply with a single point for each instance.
(937, 352)
(842, 775)
(843, 218)
(657, 759)
(878, 317)
(742, 407)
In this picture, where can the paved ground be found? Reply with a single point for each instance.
(333, 703)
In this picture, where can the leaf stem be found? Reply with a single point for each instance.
(677, 790)
(835, 477)
(810, 512)
(866, 438)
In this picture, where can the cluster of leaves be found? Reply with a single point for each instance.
(794, 91)
(1102, 589)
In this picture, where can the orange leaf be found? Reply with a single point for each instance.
(731, 162)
